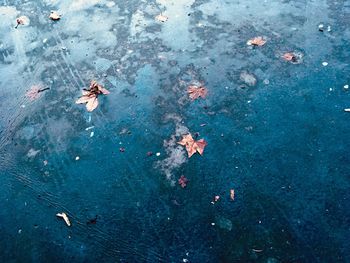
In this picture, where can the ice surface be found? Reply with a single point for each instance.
(281, 143)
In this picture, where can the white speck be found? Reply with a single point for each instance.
(347, 110)
(249, 101)
(213, 224)
(23, 106)
(168, 218)
(77, 158)
(19, 231)
(44, 40)
(320, 26)
(259, 221)
(184, 260)
(226, 87)
(91, 134)
(266, 82)
(63, 48)
(346, 86)
(329, 29)
(89, 128)
(158, 154)
(325, 64)
(89, 119)
(330, 89)
(187, 253)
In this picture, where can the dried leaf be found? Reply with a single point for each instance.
(65, 218)
(256, 41)
(232, 194)
(54, 16)
(195, 92)
(161, 18)
(34, 92)
(90, 96)
(22, 20)
(92, 104)
(183, 181)
(192, 146)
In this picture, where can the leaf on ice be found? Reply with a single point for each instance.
(65, 218)
(22, 20)
(183, 181)
(256, 41)
(161, 18)
(192, 146)
(55, 16)
(195, 92)
(90, 95)
(34, 92)
(232, 194)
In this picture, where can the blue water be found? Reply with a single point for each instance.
(282, 144)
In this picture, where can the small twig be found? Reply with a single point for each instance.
(41, 90)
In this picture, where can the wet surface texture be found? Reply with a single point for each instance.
(277, 132)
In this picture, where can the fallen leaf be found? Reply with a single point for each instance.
(90, 96)
(192, 146)
(232, 194)
(54, 16)
(183, 181)
(256, 41)
(161, 18)
(34, 92)
(65, 218)
(195, 92)
(22, 20)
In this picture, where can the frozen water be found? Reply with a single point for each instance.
(282, 143)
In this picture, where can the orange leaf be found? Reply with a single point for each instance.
(195, 92)
(90, 96)
(192, 146)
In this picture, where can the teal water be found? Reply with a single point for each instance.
(281, 144)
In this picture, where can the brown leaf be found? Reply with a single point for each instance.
(161, 18)
(195, 92)
(54, 16)
(90, 96)
(183, 181)
(256, 41)
(192, 146)
(65, 218)
(34, 92)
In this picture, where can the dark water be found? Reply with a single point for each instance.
(283, 144)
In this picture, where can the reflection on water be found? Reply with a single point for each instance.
(276, 131)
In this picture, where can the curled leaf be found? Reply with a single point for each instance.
(192, 146)
(232, 194)
(195, 92)
(65, 218)
(256, 41)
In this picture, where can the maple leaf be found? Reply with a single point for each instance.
(183, 181)
(55, 16)
(90, 96)
(256, 41)
(195, 92)
(192, 146)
